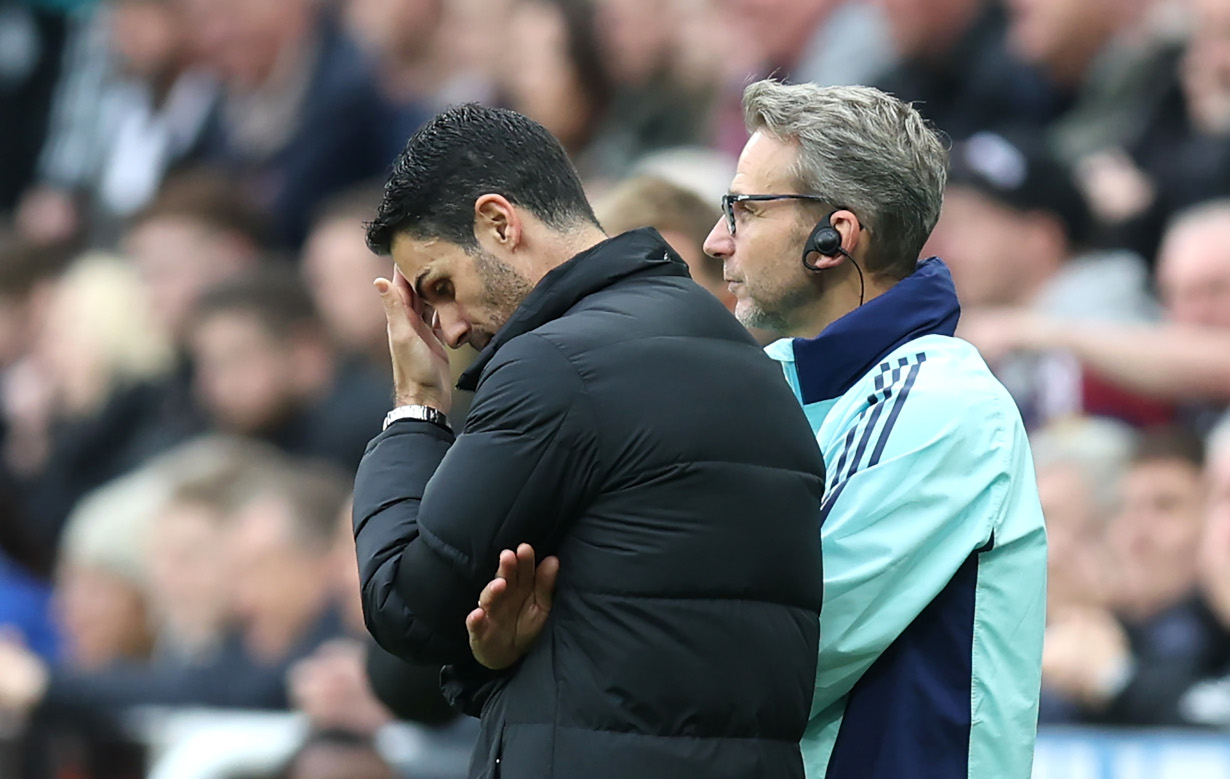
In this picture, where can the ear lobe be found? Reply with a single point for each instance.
(815, 261)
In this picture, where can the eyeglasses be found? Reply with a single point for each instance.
(728, 204)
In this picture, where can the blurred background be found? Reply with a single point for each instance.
(192, 358)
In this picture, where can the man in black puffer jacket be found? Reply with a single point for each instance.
(624, 424)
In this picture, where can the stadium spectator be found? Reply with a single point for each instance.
(278, 543)
(99, 357)
(264, 367)
(199, 231)
(332, 686)
(412, 67)
(339, 270)
(29, 76)
(678, 214)
(1080, 464)
(1184, 359)
(1014, 232)
(1129, 664)
(594, 435)
(1116, 61)
(1207, 701)
(933, 540)
(300, 116)
(954, 62)
(115, 141)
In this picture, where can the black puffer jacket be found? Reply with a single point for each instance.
(626, 422)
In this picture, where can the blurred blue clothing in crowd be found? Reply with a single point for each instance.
(25, 606)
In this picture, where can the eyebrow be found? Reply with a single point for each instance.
(418, 282)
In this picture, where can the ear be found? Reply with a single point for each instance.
(853, 241)
(853, 236)
(497, 223)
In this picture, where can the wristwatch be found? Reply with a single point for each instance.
(421, 413)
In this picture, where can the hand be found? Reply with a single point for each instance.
(1116, 187)
(512, 608)
(23, 677)
(420, 363)
(332, 689)
(1086, 655)
(1000, 332)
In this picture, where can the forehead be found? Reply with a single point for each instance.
(764, 166)
(412, 255)
(1197, 255)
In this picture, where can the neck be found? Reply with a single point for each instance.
(843, 294)
(569, 245)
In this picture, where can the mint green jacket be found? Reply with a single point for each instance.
(933, 544)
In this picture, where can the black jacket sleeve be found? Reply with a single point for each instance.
(432, 514)
(411, 692)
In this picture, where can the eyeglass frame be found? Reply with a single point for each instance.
(729, 200)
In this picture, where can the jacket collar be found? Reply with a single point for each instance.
(638, 252)
(923, 303)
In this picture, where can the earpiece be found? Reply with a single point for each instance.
(824, 240)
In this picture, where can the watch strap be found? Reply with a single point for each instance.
(420, 413)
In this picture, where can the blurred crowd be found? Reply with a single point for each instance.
(192, 359)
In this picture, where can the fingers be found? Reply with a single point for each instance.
(409, 299)
(489, 598)
(394, 308)
(544, 582)
(507, 569)
(477, 625)
(405, 324)
(525, 565)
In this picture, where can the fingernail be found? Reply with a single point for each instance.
(382, 285)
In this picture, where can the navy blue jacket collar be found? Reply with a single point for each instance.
(923, 303)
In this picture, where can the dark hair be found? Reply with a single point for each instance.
(1169, 442)
(276, 297)
(208, 197)
(464, 153)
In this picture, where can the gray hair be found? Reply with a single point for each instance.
(1098, 448)
(864, 150)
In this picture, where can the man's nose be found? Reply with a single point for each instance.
(451, 328)
(719, 243)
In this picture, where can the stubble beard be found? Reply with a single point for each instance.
(504, 289)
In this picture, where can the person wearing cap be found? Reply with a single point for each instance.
(1015, 231)
(932, 538)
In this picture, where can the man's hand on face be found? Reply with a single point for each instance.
(512, 608)
(420, 362)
